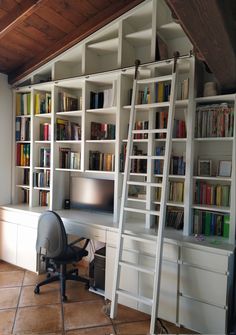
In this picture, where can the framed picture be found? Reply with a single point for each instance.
(204, 167)
(225, 168)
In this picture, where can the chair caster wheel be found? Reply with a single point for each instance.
(36, 290)
(64, 298)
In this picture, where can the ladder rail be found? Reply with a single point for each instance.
(160, 235)
(124, 192)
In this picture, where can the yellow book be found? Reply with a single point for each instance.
(37, 103)
(160, 92)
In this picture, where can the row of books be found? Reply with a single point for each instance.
(23, 103)
(67, 130)
(158, 163)
(45, 131)
(176, 191)
(161, 94)
(211, 223)
(175, 218)
(22, 129)
(177, 165)
(26, 175)
(23, 154)
(179, 129)
(69, 102)
(41, 179)
(209, 194)
(140, 125)
(44, 198)
(162, 91)
(42, 103)
(69, 159)
(215, 120)
(24, 196)
(161, 121)
(136, 165)
(44, 157)
(103, 131)
(103, 99)
(101, 161)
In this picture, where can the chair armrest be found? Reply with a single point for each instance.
(76, 241)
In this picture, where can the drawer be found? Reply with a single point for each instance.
(203, 285)
(170, 251)
(201, 317)
(20, 217)
(205, 259)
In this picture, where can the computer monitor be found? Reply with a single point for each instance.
(92, 194)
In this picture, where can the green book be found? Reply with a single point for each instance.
(226, 225)
(207, 224)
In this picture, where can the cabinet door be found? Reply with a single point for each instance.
(8, 237)
(26, 252)
(128, 279)
(168, 289)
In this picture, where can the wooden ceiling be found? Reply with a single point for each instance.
(34, 31)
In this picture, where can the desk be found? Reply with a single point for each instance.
(192, 271)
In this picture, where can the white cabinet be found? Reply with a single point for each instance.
(204, 290)
(8, 238)
(26, 252)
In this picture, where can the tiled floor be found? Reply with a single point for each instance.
(22, 312)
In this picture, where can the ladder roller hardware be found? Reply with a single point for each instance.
(149, 210)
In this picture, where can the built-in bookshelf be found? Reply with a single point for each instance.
(77, 109)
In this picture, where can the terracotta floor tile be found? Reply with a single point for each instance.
(32, 278)
(38, 319)
(6, 321)
(9, 297)
(126, 314)
(107, 330)
(49, 294)
(133, 328)
(77, 291)
(11, 278)
(8, 267)
(84, 314)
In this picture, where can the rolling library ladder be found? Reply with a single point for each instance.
(150, 186)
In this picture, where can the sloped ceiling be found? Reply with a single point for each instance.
(34, 31)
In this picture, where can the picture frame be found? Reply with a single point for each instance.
(204, 167)
(224, 169)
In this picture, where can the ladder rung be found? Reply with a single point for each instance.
(142, 211)
(149, 131)
(143, 183)
(146, 157)
(137, 199)
(138, 238)
(154, 79)
(138, 267)
(132, 296)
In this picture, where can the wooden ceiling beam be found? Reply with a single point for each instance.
(206, 27)
(18, 14)
(91, 25)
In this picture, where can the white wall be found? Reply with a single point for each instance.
(5, 140)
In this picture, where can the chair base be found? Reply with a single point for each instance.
(62, 276)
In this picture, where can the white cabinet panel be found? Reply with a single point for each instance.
(128, 280)
(26, 252)
(205, 259)
(203, 285)
(201, 317)
(168, 289)
(8, 237)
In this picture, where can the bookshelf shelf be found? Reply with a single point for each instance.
(213, 139)
(68, 170)
(42, 142)
(136, 199)
(105, 46)
(180, 140)
(140, 37)
(181, 103)
(101, 141)
(171, 30)
(175, 204)
(71, 113)
(108, 110)
(112, 173)
(41, 168)
(68, 141)
(42, 188)
(22, 167)
(175, 176)
(24, 116)
(149, 106)
(23, 142)
(212, 208)
(23, 186)
(216, 98)
(141, 140)
(216, 178)
(44, 115)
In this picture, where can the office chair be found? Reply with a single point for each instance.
(53, 248)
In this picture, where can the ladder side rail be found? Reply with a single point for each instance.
(124, 196)
(159, 249)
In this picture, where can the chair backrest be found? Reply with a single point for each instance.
(51, 236)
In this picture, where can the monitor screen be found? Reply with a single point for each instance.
(92, 194)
